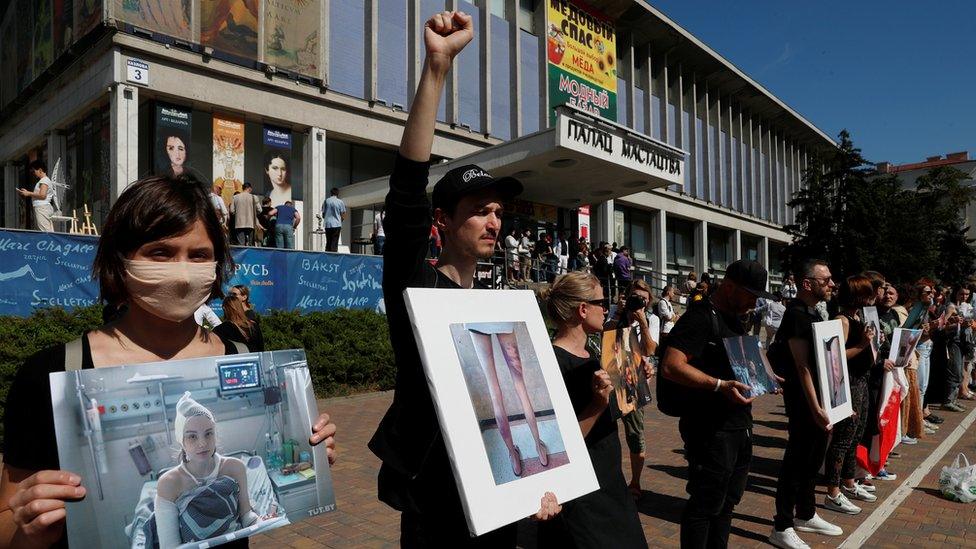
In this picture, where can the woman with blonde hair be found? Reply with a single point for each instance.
(607, 517)
(238, 327)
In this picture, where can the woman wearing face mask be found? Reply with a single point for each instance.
(204, 483)
(163, 254)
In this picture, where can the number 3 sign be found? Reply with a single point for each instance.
(137, 72)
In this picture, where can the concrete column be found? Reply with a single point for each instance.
(718, 154)
(760, 175)
(706, 152)
(603, 223)
(372, 26)
(415, 51)
(124, 147)
(693, 180)
(679, 110)
(764, 253)
(627, 71)
(701, 248)
(10, 197)
(540, 31)
(646, 84)
(753, 176)
(452, 95)
(664, 86)
(736, 245)
(775, 180)
(514, 67)
(741, 172)
(733, 201)
(659, 248)
(484, 31)
(315, 188)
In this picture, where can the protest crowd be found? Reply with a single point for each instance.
(164, 252)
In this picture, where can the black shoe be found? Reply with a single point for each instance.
(934, 419)
(972, 386)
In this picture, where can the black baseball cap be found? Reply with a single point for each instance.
(465, 180)
(751, 275)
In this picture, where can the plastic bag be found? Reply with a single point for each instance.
(958, 481)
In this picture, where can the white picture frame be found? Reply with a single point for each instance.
(903, 343)
(832, 375)
(115, 429)
(871, 319)
(448, 324)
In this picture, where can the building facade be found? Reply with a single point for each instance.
(241, 91)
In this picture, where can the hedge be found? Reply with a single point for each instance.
(348, 350)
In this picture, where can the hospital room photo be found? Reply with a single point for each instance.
(190, 453)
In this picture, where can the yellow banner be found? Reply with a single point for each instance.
(582, 42)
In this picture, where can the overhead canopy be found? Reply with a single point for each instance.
(579, 160)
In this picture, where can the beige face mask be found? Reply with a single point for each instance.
(172, 290)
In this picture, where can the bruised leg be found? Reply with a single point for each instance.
(509, 345)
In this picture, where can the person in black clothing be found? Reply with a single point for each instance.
(164, 253)
(607, 517)
(717, 421)
(243, 292)
(792, 352)
(238, 327)
(602, 268)
(415, 477)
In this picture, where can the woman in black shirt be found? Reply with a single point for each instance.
(163, 253)
(607, 517)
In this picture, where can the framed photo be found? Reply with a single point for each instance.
(750, 365)
(195, 452)
(903, 343)
(871, 319)
(835, 385)
(507, 421)
(621, 358)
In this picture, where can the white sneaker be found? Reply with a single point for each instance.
(841, 504)
(817, 525)
(787, 539)
(930, 425)
(869, 488)
(929, 431)
(858, 492)
(909, 440)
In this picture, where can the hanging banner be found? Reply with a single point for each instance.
(54, 270)
(291, 31)
(231, 26)
(228, 156)
(172, 139)
(584, 222)
(276, 165)
(88, 15)
(42, 37)
(63, 23)
(581, 48)
(169, 17)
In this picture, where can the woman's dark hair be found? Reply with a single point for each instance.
(246, 292)
(855, 291)
(162, 161)
(268, 157)
(38, 165)
(155, 208)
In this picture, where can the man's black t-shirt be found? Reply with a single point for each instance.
(694, 335)
(797, 323)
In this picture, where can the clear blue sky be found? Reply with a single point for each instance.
(899, 75)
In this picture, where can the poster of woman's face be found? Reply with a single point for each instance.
(176, 153)
(750, 365)
(834, 383)
(198, 452)
(509, 428)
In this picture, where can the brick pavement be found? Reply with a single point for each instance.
(923, 519)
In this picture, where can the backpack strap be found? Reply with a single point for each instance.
(73, 351)
(241, 348)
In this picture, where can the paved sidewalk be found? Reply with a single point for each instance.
(925, 518)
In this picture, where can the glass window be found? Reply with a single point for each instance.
(347, 47)
(526, 15)
(719, 249)
(531, 95)
(699, 159)
(639, 107)
(469, 70)
(655, 117)
(622, 88)
(750, 247)
(497, 8)
(391, 55)
(672, 123)
(501, 85)
(681, 244)
(430, 7)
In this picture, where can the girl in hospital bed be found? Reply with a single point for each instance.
(206, 494)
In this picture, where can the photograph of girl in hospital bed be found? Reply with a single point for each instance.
(190, 453)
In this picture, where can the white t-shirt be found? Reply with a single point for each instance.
(511, 244)
(666, 311)
(378, 224)
(218, 204)
(50, 191)
(206, 313)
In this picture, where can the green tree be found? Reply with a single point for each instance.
(944, 197)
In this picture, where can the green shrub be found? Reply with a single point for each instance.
(348, 350)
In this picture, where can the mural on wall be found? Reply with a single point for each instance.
(291, 35)
(8, 68)
(63, 24)
(170, 17)
(24, 18)
(228, 156)
(88, 15)
(230, 26)
(43, 45)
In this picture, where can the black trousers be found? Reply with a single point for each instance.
(718, 468)
(332, 239)
(805, 451)
(244, 237)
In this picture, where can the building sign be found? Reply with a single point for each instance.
(137, 72)
(619, 146)
(581, 47)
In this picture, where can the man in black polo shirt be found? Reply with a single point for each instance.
(792, 353)
(416, 476)
(717, 422)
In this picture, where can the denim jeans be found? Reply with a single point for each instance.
(954, 370)
(924, 366)
(285, 236)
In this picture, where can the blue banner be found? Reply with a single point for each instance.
(50, 269)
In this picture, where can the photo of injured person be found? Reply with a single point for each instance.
(190, 453)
